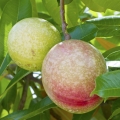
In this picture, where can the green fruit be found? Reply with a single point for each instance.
(29, 40)
(69, 71)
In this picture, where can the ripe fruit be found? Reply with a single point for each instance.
(69, 71)
(29, 41)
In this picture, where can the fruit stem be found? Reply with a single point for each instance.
(64, 24)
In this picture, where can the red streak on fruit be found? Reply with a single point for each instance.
(75, 101)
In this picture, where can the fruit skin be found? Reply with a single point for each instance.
(69, 71)
(29, 40)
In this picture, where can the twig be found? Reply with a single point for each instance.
(24, 95)
(64, 24)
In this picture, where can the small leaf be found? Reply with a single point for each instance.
(112, 50)
(68, 1)
(115, 113)
(113, 54)
(7, 101)
(108, 85)
(52, 7)
(5, 63)
(94, 6)
(108, 4)
(38, 108)
(84, 32)
(115, 104)
(107, 26)
(3, 3)
(85, 116)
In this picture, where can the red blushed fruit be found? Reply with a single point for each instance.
(69, 71)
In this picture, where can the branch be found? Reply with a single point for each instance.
(64, 24)
(24, 95)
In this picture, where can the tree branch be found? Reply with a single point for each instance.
(64, 24)
(24, 95)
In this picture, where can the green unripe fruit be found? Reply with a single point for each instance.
(29, 40)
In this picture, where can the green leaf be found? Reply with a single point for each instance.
(85, 116)
(115, 113)
(114, 5)
(115, 105)
(68, 1)
(71, 17)
(3, 3)
(38, 108)
(112, 50)
(108, 85)
(22, 73)
(3, 83)
(107, 26)
(114, 55)
(65, 1)
(5, 63)
(43, 116)
(14, 11)
(93, 5)
(8, 101)
(52, 7)
(34, 8)
(84, 32)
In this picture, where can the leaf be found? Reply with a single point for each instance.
(84, 32)
(34, 8)
(3, 3)
(52, 7)
(65, 1)
(68, 1)
(98, 116)
(43, 116)
(71, 16)
(107, 26)
(5, 63)
(85, 116)
(115, 104)
(73, 11)
(114, 5)
(22, 73)
(38, 108)
(115, 113)
(114, 56)
(3, 83)
(8, 101)
(110, 51)
(108, 85)
(14, 11)
(93, 5)
(106, 44)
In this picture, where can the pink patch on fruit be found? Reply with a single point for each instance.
(76, 102)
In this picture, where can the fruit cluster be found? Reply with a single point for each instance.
(69, 68)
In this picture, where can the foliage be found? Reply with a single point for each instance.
(22, 95)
